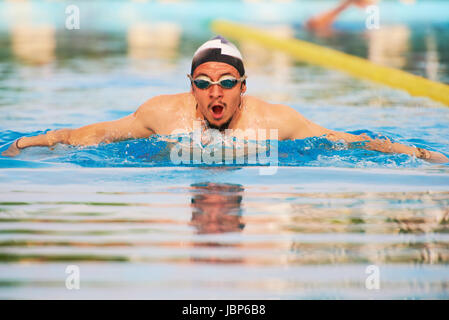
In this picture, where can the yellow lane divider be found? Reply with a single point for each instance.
(333, 59)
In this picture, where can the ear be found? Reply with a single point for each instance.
(243, 88)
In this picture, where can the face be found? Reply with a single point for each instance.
(216, 207)
(215, 103)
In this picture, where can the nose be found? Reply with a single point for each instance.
(215, 91)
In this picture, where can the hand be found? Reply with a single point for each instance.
(437, 157)
(12, 151)
(389, 147)
(431, 156)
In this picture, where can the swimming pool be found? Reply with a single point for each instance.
(139, 227)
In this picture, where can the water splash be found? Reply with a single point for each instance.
(155, 152)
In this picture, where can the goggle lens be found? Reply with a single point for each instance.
(227, 83)
(202, 84)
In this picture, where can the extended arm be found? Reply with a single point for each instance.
(387, 146)
(132, 126)
(325, 19)
(301, 128)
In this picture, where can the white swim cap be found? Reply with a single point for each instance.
(221, 50)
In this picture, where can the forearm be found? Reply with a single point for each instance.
(387, 146)
(325, 19)
(129, 127)
(88, 135)
(431, 156)
(45, 140)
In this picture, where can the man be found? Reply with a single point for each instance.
(217, 98)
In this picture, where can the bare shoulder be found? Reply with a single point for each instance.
(273, 112)
(163, 103)
(160, 107)
(290, 123)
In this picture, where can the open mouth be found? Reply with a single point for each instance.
(217, 111)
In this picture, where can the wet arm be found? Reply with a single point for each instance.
(92, 134)
(129, 127)
(385, 145)
(325, 19)
(303, 128)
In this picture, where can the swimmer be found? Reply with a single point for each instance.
(324, 20)
(217, 98)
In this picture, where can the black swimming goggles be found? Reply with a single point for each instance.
(226, 82)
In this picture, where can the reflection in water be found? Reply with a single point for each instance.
(292, 243)
(216, 208)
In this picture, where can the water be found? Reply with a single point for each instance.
(139, 227)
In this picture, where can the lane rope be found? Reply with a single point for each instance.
(334, 59)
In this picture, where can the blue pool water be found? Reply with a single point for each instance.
(138, 226)
(155, 152)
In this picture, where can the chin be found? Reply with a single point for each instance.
(215, 123)
(218, 124)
